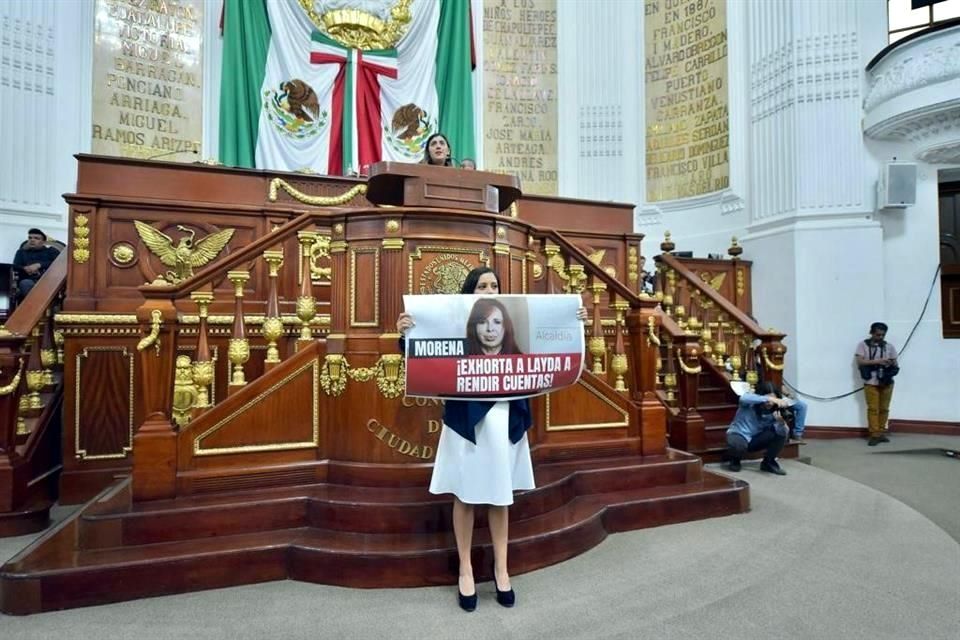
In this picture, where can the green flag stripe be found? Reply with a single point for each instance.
(246, 40)
(454, 81)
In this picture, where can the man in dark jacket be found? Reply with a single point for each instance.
(33, 260)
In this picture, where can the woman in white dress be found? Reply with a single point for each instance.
(483, 455)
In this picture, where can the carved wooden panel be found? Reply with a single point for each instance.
(268, 422)
(364, 286)
(103, 402)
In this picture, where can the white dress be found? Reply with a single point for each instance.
(487, 472)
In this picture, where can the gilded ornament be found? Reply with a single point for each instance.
(687, 369)
(357, 29)
(35, 382)
(272, 330)
(537, 271)
(714, 280)
(320, 201)
(238, 352)
(574, 278)
(152, 338)
(306, 310)
(618, 364)
(187, 254)
(501, 233)
(11, 386)
(123, 253)
(597, 346)
(338, 229)
(202, 377)
(184, 391)
(444, 274)
(333, 374)
(392, 226)
(81, 239)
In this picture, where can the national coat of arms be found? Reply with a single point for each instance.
(294, 109)
(185, 254)
(409, 129)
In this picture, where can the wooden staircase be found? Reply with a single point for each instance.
(342, 533)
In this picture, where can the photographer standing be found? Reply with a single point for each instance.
(877, 360)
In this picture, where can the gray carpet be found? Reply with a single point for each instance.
(911, 468)
(818, 557)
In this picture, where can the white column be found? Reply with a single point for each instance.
(816, 247)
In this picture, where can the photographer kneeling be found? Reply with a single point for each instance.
(758, 425)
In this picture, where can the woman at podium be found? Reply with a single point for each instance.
(437, 151)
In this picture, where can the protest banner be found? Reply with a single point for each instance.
(492, 347)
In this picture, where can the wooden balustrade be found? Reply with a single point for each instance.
(725, 339)
(30, 397)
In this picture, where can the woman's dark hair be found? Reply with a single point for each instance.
(426, 150)
(473, 278)
(878, 326)
(482, 308)
(766, 387)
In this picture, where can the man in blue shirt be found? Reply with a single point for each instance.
(758, 426)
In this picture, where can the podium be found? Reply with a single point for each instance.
(423, 185)
(314, 465)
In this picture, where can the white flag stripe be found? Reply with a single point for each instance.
(288, 59)
(416, 52)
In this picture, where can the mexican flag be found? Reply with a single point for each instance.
(296, 94)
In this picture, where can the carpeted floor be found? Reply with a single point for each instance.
(819, 556)
(911, 468)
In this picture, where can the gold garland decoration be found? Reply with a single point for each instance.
(768, 363)
(11, 386)
(319, 201)
(687, 369)
(391, 386)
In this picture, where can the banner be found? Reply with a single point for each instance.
(492, 347)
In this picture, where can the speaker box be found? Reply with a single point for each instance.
(898, 186)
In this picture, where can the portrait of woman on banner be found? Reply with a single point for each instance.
(490, 330)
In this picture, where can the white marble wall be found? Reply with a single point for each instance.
(46, 67)
(44, 109)
(600, 109)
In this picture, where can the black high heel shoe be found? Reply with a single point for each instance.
(504, 598)
(467, 603)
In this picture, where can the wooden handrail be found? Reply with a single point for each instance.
(255, 249)
(33, 309)
(722, 303)
(613, 285)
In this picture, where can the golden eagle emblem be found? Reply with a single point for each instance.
(185, 254)
(715, 280)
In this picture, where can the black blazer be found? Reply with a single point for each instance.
(463, 416)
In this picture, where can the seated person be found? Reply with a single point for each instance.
(468, 164)
(758, 426)
(32, 260)
(795, 415)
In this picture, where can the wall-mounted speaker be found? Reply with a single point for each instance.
(898, 186)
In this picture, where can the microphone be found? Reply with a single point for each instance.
(170, 153)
